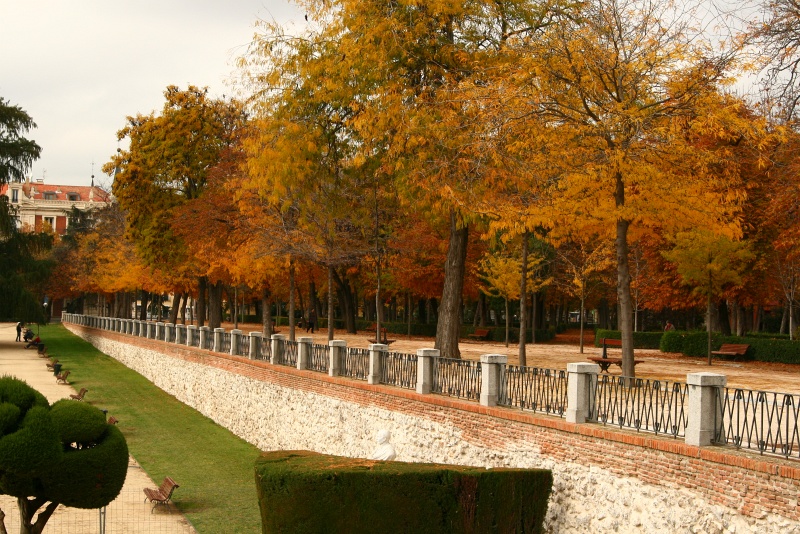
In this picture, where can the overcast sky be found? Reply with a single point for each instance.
(80, 67)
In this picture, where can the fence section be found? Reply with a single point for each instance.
(758, 420)
(457, 378)
(532, 388)
(653, 405)
(319, 359)
(399, 369)
(356, 363)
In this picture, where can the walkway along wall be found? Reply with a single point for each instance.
(606, 480)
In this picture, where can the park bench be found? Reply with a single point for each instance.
(41, 350)
(384, 335)
(79, 396)
(604, 361)
(480, 334)
(731, 349)
(161, 494)
(51, 363)
(61, 378)
(112, 420)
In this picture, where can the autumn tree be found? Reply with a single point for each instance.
(626, 98)
(708, 263)
(166, 165)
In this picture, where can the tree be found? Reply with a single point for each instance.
(17, 153)
(61, 454)
(709, 263)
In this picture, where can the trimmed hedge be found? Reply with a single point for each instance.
(641, 340)
(305, 492)
(761, 349)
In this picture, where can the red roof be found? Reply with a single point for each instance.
(62, 192)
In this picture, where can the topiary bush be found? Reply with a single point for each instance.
(306, 492)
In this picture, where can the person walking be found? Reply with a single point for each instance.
(19, 330)
(669, 327)
(312, 320)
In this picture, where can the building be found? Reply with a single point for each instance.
(40, 206)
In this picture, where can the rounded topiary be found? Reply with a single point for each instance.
(20, 394)
(78, 422)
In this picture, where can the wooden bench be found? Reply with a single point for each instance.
(161, 494)
(604, 361)
(61, 378)
(112, 420)
(731, 349)
(384, 335)
(41, 350)
(50, 364)
(480, 334)
(79, 396)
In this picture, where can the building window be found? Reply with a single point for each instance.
(49, 196)
(74, 197)
(15, 195)
(51, 221)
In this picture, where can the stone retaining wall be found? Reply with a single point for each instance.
(605, 480)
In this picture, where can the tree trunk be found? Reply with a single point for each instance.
(723, 318)
(583, 307)
(523, 305)
(507, 321)
(624, 296)
(266, 314)
(378, 300)
(291, 299)
(347, 301)
(448, 325)
(708, 318)
(409, 304)
(533, 317)
(330, 303)
(215, 305)
(202, 289)
(176, 308)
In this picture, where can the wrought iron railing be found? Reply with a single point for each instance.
(225, 343)
(399, 369)
(244, 346)
(355, 363)
(758, 420)
(264, 349)
(457, 378)
(289, 354)
(532, 388)
(644, 405)
(319, 359)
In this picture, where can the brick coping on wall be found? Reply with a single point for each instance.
(787, 468)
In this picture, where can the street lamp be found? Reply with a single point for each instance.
(46, 318)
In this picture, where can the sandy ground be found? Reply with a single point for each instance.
(129, 513)
(556, 354)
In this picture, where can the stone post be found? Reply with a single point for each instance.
(169, 333)
(160, 331)
(255, 345)
(277, 348)
(425, 369)
(218, 339)
(579, 390)
(703, 411)
(191, 334)
(150, 331)
(180, 334)
(376, 352)
(338, 347)
(491, 372)
(236, 339)
(205, 337)
(304, 351)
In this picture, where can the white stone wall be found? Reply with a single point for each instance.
(584, 499)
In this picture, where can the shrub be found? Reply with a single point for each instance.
(302, 491)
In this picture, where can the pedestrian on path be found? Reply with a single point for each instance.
(19, 330)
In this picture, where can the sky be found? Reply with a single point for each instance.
(80, 67)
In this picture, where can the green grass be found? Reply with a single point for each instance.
(215, 469)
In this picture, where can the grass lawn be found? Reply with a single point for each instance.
(214, 468)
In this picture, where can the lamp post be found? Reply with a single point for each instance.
(46, 318)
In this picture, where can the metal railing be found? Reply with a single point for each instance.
(289, 355)
(225, 343)
(264, 350)
(457, 378)
(356, 363)
(244, 346)
(644, 405)
(319, 359)
(399, 369)
(532, 388)
(758, 420)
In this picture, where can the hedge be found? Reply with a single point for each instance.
(761, 349)
(641, 340)
(306, 492)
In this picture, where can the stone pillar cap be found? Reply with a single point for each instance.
(378, 346)
(430, 353)
(337, 343)
(494, 358)
(305, 339)
(706, 379)
(583, 367)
